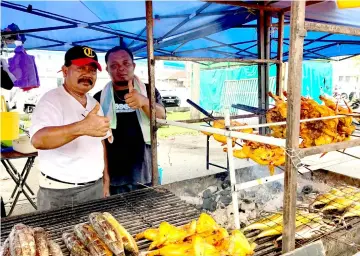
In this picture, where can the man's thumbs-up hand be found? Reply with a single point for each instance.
(134, 99)
(95, 125)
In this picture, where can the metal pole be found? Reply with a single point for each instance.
(279, 66)
(293, 121)
(151, 67)
(178, 58)
(261, 37)
(232, 171)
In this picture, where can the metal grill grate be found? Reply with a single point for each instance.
(136, 211)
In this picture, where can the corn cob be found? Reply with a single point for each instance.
(54, 248)
(130, 246)
(107, 233)
(91, 240)
(41, 241)
(74, 245)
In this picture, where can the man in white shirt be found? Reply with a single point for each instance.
(68, 129)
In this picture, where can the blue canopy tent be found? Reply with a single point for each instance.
(184, 29)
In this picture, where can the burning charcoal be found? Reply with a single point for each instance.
(307, 189)
(207, 194)
(248, 206)
(226, 184)
(226, 200)
(225, 193)
(209, 204)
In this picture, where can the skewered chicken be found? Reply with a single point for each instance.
(345, 127)
(262, 154)
(277, 114)
(220, 124)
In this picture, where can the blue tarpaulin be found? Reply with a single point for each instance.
(243, 85)
(181, 28)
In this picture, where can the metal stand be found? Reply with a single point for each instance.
(20, 180)
(208, 157)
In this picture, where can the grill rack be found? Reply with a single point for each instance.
(136, 211)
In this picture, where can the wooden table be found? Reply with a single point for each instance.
(19, 177)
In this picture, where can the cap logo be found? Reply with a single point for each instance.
(89, 52)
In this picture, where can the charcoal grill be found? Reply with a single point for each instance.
(136, 211)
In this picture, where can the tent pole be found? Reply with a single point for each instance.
(297, 34)
(151, 67)
(279, 66)
(262, 70)
(238, 60)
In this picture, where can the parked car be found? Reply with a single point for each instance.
(169, 98)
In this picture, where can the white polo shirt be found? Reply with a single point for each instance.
(81, 160)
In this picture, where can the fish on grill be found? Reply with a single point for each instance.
(41, 241)
(73, 244)
(5, 250)
(338, 204)
(301, 219)
(107, 233)
(22, 242)
(323, 199)
(91, 240)
(130, 245)
(266, 222)
(310, 230)
(54, 248)
(352, 211)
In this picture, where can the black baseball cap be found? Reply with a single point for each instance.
(80, 56)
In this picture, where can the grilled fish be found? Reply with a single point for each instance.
(352, 211)
(41, 241)
(54, 248)
(6, 248)
(301, 219)
(265, 223)
(323, 199)
(74, 245)
(22, 241)
(91, 240)
(309, 230)
(339, 204)
(130, 245)
(107, 233)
